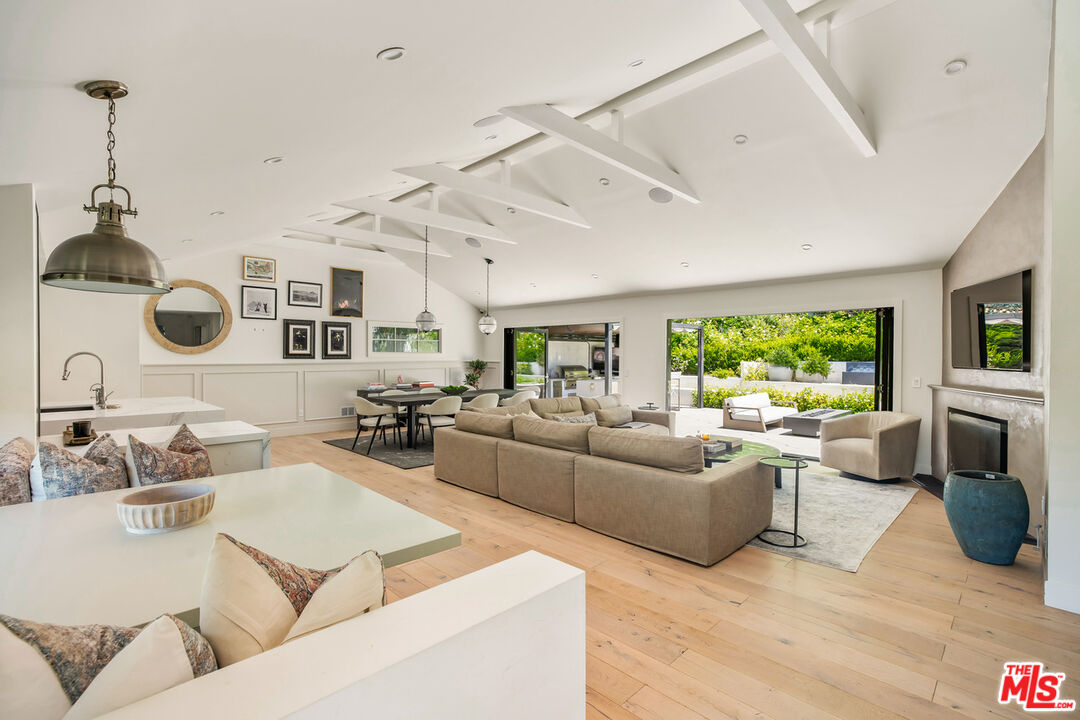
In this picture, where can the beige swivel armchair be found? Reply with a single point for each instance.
(872, 445)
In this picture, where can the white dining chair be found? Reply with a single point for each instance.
(388, 393)
(376, 418)
(439, 413)
(482, 402)
(520, 397)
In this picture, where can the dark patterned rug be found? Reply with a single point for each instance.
(406, 459)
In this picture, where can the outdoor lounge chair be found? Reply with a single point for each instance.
(755, 412)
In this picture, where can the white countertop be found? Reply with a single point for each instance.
(70, 561)
(209, 434)
(135, 412)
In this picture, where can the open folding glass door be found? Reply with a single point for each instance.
(613, 383)
(677, 381)
(525, 353)
(883, 360)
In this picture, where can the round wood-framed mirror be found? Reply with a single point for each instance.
(191, 319)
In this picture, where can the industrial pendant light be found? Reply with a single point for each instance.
(487, 322)
(107, 260)
(425, 321)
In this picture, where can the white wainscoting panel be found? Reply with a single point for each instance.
(265, 397)
(180, 384)
(327, 391)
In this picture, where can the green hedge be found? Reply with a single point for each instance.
(807, 399)
(839, 336)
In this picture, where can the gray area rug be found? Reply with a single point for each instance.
(406, 459)
(840, 518)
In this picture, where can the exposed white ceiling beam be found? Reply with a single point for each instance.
(559, 125)
(504, 194)
(307, 240)
(367, 237)
(786, 31)
(409, 213)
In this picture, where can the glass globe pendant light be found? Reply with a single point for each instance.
(106, 259)
(487, 323)
(425, 321)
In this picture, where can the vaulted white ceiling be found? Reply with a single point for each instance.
(218, 87)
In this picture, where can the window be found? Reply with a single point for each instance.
(392, 339)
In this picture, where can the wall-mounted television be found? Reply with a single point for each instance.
(991, 324)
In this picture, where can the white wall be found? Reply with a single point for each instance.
(18, 322)
(1062, 587)
(915, 295)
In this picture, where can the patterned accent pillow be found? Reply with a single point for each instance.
(64, 473)
(589, 419)
(185, 458)
(252, 601)
(15, 459)
(82, 671)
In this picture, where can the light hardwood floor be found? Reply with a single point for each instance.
(920, 631)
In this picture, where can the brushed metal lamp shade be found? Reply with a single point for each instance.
(106, 260)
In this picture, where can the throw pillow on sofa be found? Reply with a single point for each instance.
(253, 602)
(614, 417)
(578, 418)
(678, 454)
(522, 408)
(83, 671)
(605, 402)
(572, 437)
(64, 473)
(185, 458)
(500, 426)
(15, 459)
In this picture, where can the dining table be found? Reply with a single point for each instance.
(412, 399)
(70, 561)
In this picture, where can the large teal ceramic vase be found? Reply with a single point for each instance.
(988, 513)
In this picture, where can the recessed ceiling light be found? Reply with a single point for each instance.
(217, 212)
(472, 242)
(955, 67)
(595, 276)
(807, 246)
(391, 53)
(532, 284)
(511, 210)
(685, 264)
(660, 195)
(637, 63)
(186, 240)
(491, 137)
(489, 120)
(605, 182)
(740, 139)
(272, 160)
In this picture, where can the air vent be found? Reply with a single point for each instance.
(348, 411)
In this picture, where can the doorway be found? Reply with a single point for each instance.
(676, 398)
(563, 360)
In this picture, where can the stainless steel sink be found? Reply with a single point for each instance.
(74, 407)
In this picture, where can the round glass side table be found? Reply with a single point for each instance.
(785, 463)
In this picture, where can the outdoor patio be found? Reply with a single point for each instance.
(691, 421)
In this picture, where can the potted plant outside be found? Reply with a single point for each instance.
(815, 366)
(782, 364)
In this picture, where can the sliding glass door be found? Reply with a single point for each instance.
(525, 353)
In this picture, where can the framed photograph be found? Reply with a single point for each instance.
(260, 269)
(346, 293)
(298, 339)
(337, 340)
(258, 303)
(305, 294)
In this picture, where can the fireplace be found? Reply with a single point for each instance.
(977, 442)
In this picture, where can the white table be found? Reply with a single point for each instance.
(70, 561)
(233, 445)
(135, 412)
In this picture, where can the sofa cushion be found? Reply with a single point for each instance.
(573, 437)
(613, 417)
(83, 671)
(252, 601)
(546, 407)
(754, 400)
(660, 451)
(468, 459)
(578, 417)
(15, 459)
(604, 402)
(185, 458)
(522, 408)
(768, 414)
(538, 478)
(64, 473)
(495, 425)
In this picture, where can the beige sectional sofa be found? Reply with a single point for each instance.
(633, 484)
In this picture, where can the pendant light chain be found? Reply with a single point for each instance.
(110, 145)
(425, 266)
(487, 303)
